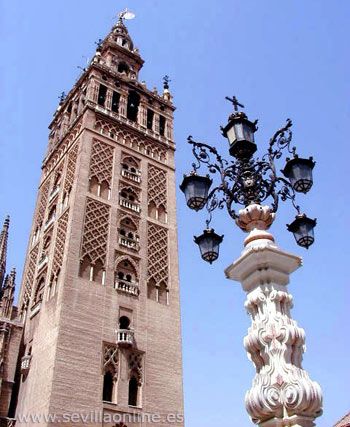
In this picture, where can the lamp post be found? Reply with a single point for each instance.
(282, 393)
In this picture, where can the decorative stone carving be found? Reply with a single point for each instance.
(136, 366)
(95, 233)
(30, 273)
(255, 219)
(157, 253)
(44, 194)
(157, 186)
(149, 148)
(101, 166)
(282, 393)
(71, 166)
(111, 359)
(60, 242)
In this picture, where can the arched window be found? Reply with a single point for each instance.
(133, 105)
(130, 169)
(52, 214)
(124, 322)
(133, 391)
(152, 210)
(162, 215)
(98, 274)
(128, 234)
(99, 189)
(104, 190)
(129, 199)
(123, 68)
(39, 292)
(36, 235)
(108, 385)
(152, 290)
(163, 293)
(85, 268)
(57, 181)
(126, 272)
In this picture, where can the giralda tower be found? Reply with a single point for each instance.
(100, 291)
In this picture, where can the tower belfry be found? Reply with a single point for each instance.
(99, 296)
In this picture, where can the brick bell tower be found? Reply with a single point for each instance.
(100, 291)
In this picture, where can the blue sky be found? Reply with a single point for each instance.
(281, 59)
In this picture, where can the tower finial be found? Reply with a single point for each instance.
(125, 14)
(3, 249)
(166, 81)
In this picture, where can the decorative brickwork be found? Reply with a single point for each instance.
(157, 186)
(122, 215)
(101, 166)
(44, 193)
(157, 253)
(95, 234)
(111, 359)
(60, 242)
(151, 149)
(136, 366)
(58, 153)
(71, 166)
(30, 273)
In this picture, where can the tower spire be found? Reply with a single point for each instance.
(3, 249)
(8, 294)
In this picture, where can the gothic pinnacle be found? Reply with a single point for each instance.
(3, 249)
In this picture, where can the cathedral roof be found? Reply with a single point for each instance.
(344, 422)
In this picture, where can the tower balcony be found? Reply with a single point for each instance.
(129, 243)
(125, 337)
(25, 364)
(130, 205)
(127, 287)
(131, 175)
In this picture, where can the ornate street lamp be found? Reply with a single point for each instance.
(196, 189)
(303, 229)
(299, 173)
(209, 243)
(246, 180)
(282, 392)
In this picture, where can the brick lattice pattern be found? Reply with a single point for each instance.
(157, 253)
(44, 193)
(71, 166)
(60, 242)
(157, 186)
(95, 234)
(30, 273)
(101, 166)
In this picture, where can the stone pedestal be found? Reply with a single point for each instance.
(282, 393)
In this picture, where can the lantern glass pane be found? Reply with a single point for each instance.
(248, 133)
(196, 193)
(231, 135)
(300, 176)
(239, 131)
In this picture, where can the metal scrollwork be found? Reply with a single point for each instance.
(246, 181)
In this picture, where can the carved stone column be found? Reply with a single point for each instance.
(282, 393)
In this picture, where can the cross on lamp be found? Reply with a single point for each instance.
(235, 103)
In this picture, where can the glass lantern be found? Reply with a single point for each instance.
(209, 243)
(303, 229)
(299, 173)
(240, 133)
(196, 188)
